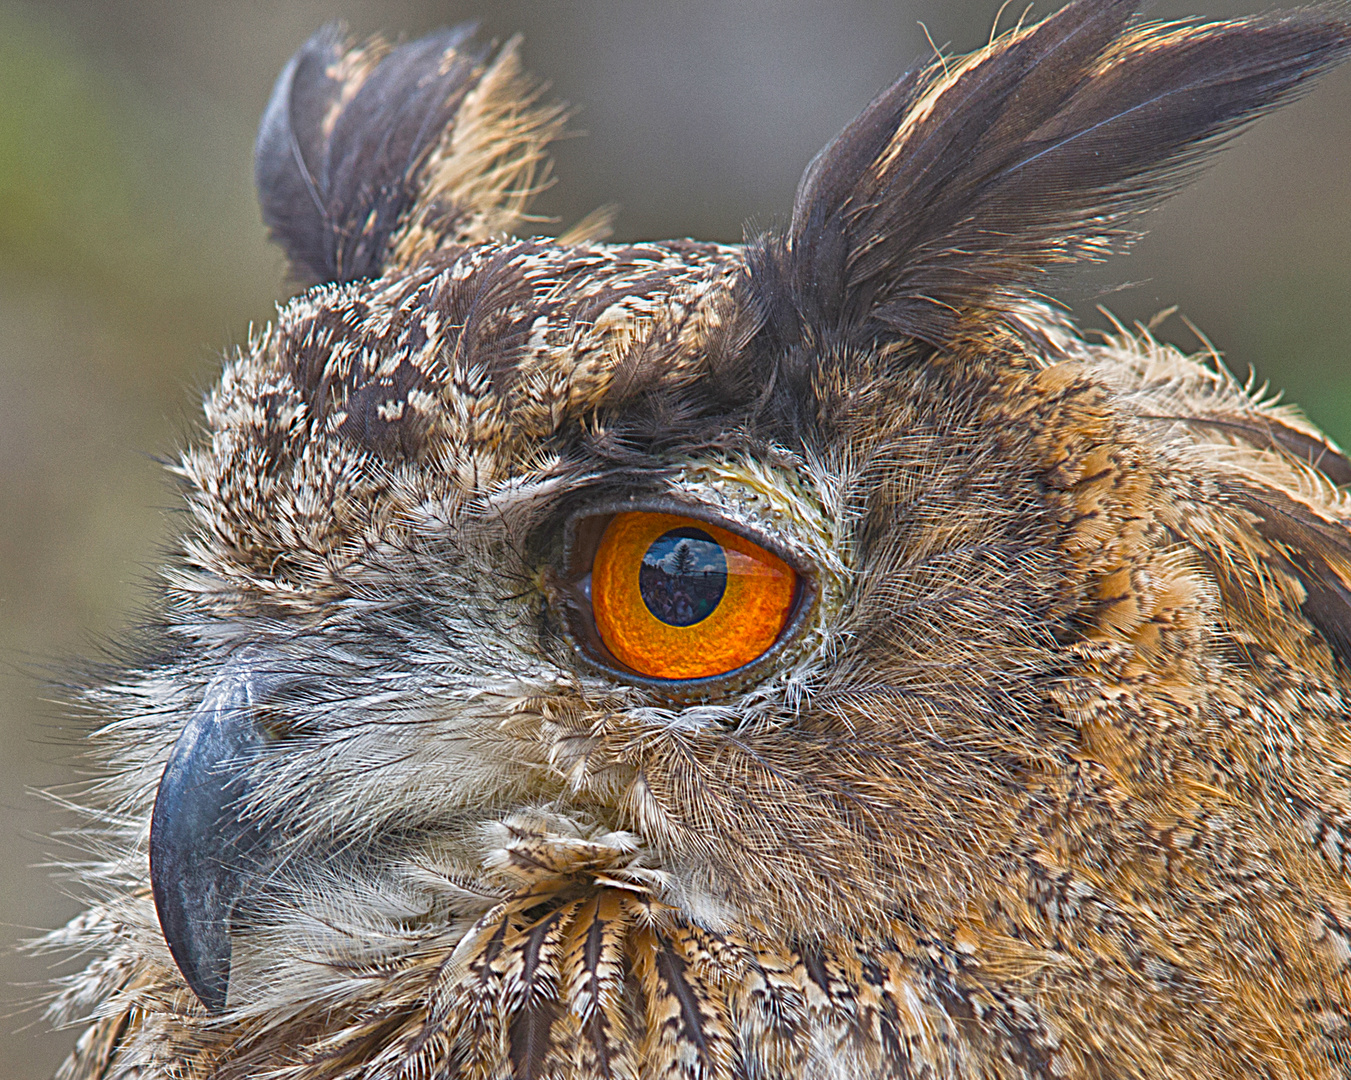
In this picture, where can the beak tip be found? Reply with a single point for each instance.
(198, 939)
(203, 854)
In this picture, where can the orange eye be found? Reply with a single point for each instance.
(678, 598)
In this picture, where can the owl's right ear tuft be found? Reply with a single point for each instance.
(371, 157)
(961, 185)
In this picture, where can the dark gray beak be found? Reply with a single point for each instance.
(203, 853)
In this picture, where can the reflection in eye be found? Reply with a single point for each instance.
(683, 576)
(676, 598)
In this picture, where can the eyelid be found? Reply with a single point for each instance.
(666, 505)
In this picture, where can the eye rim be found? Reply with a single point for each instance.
(581, 538)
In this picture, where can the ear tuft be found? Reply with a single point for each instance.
(962, 183)
(372, 157)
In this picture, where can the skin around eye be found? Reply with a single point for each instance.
(678, 598)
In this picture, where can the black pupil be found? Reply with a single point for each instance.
(683, 576)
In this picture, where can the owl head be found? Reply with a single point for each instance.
(590, 659)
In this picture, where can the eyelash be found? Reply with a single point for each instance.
(664, 598)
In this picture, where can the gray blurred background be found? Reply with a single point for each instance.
(131, 255)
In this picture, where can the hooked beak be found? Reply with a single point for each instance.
(203, 852)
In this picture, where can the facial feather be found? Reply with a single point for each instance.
(1046, 775)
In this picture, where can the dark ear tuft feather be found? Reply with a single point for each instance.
(961, 183)
(372, 156)
(1274, 432)
(1314, 551)
(342, 137)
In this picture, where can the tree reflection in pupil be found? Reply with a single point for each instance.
(683, 576)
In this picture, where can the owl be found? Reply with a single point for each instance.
(805, 658)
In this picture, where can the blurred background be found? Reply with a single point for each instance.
(131, 256)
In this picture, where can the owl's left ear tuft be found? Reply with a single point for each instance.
(966, 180)
(371, 157)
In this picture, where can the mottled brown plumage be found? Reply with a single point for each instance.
(1049, 773)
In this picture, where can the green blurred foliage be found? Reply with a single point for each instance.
(127, 260)
(101, 191)
(62, 168)
(1303, 339)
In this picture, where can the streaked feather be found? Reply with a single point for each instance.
(1051, 777)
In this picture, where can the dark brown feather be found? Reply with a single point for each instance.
(1315, 551)
(1038, 150)
(336, 173)
(1269, 431)
(529, 1031)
